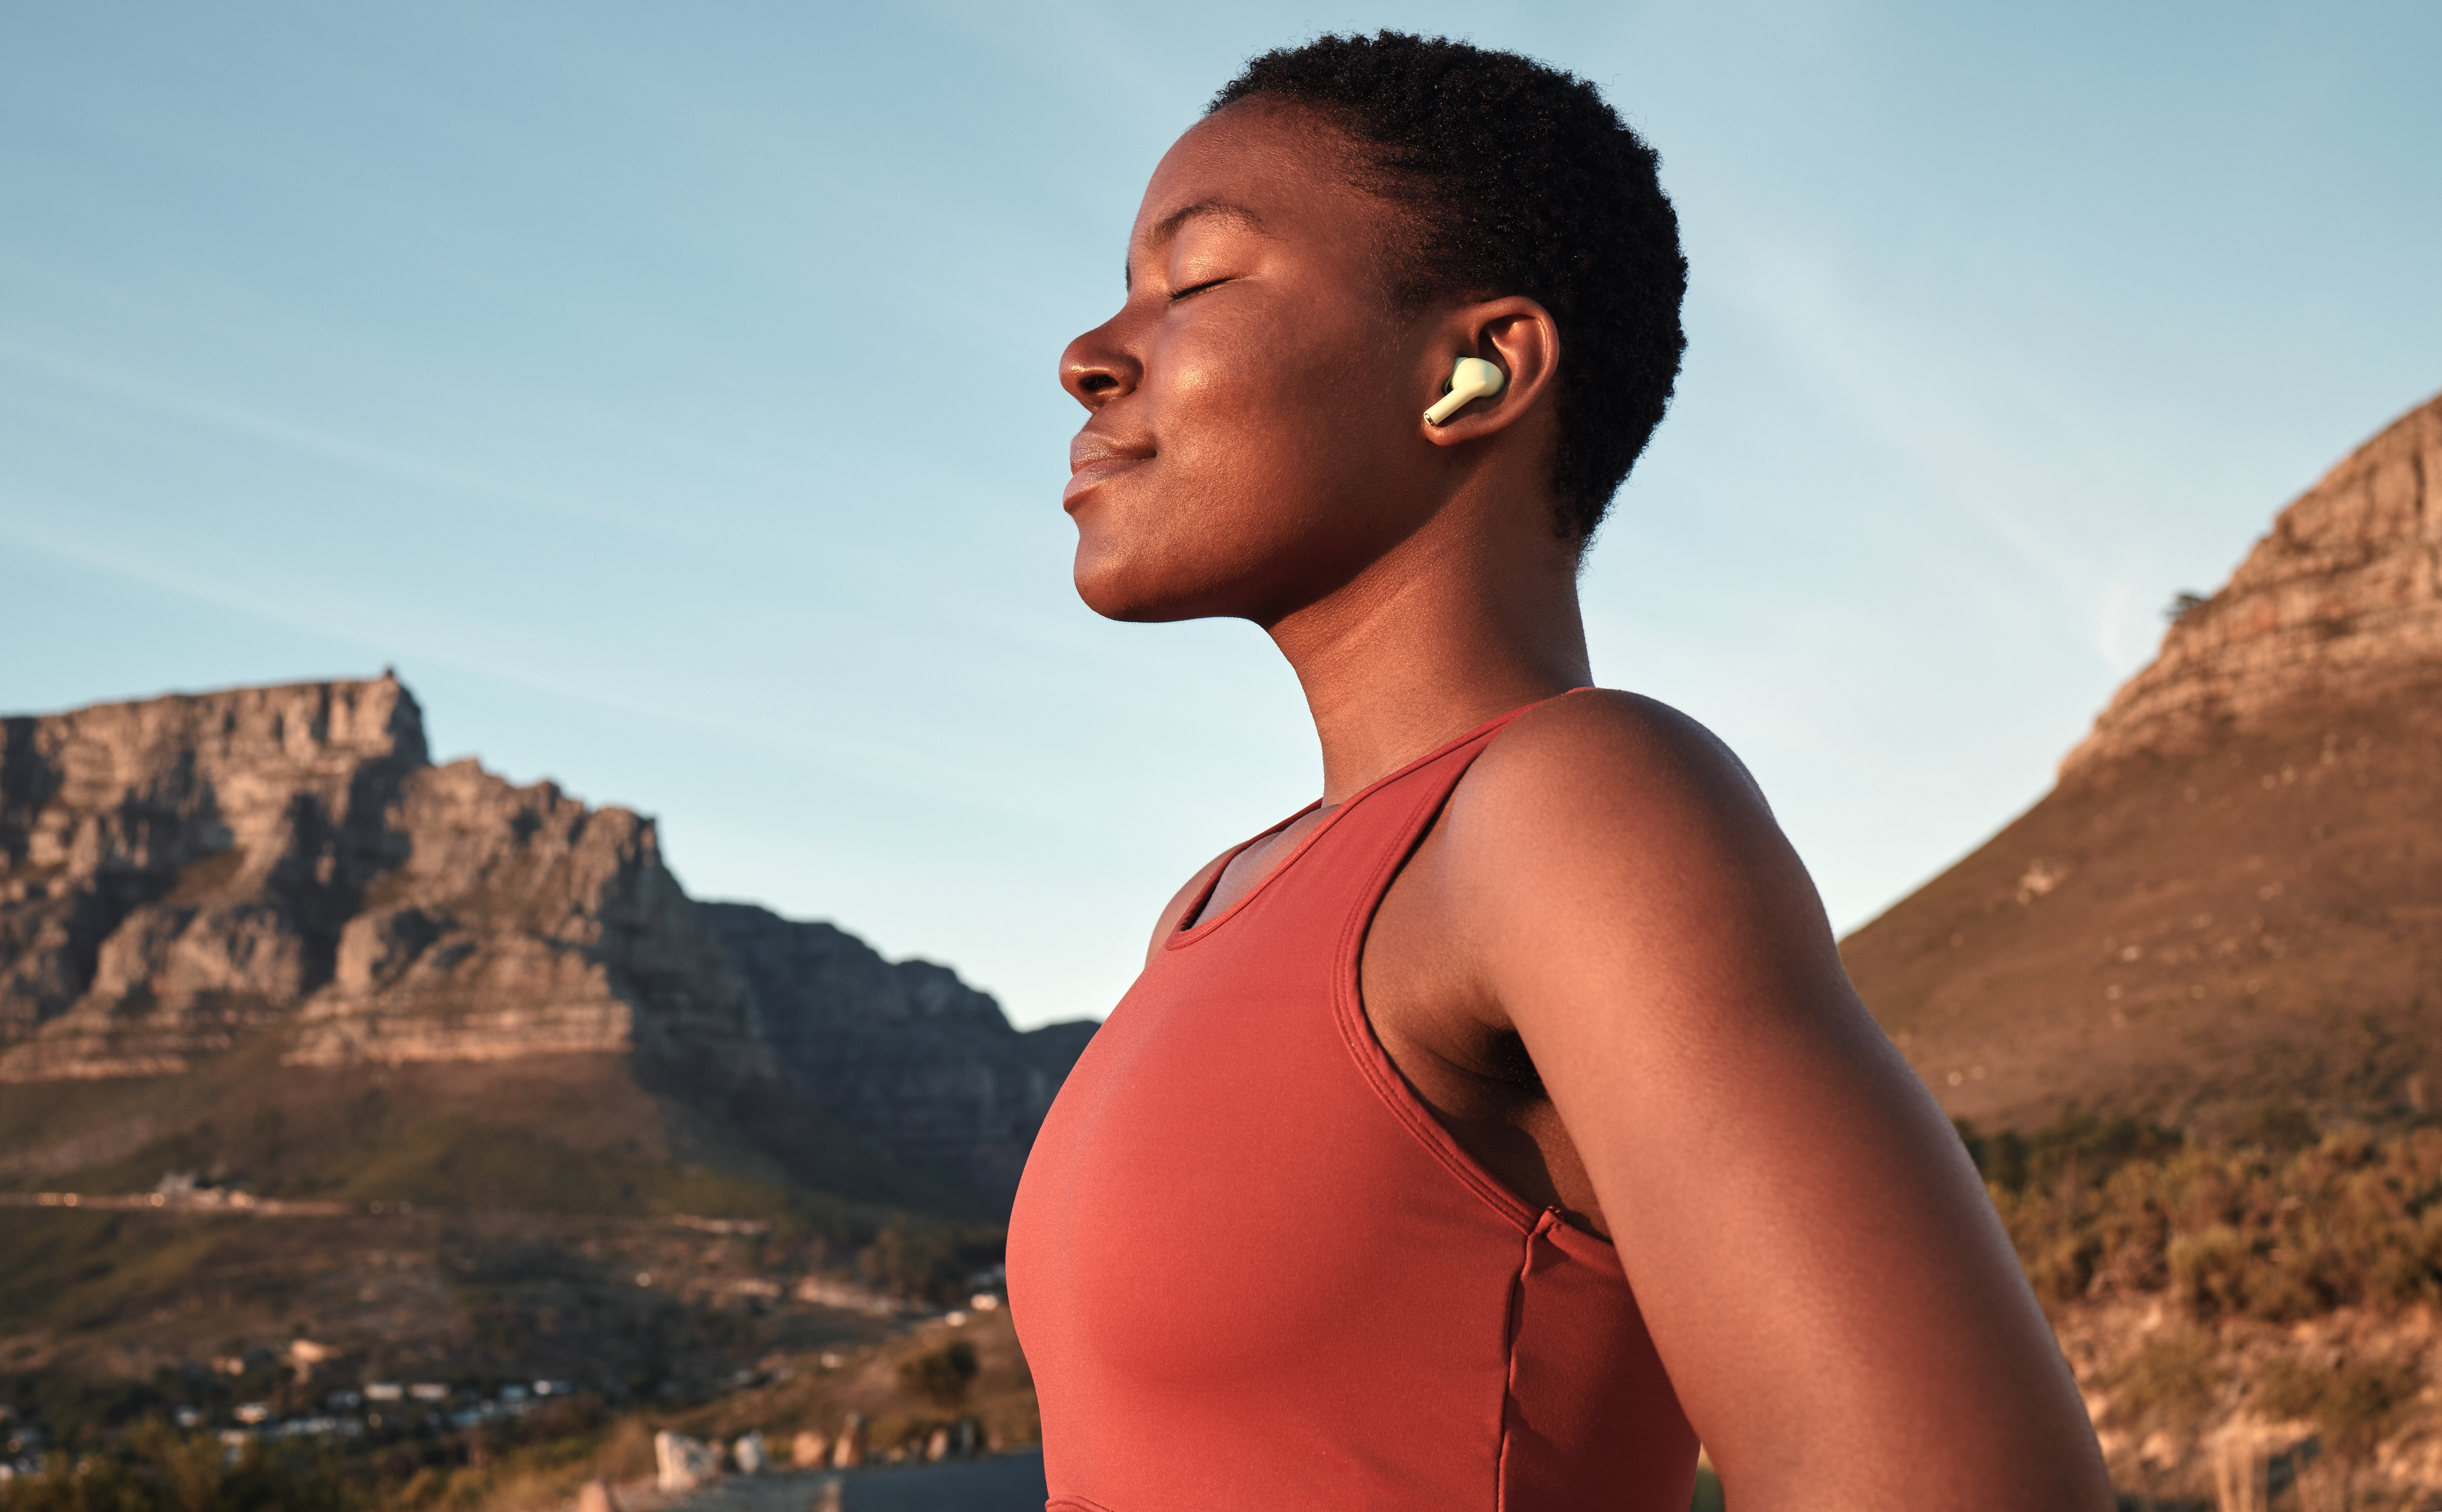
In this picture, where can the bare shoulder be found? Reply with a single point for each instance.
(1613, 772)
(1609, 834)
(1606, 747)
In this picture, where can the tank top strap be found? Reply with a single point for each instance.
(1358, 845)
(1351, 882)
(1363, 845)
(1397, 808)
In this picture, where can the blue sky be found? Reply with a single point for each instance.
(667, 393)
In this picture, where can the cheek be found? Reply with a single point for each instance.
(1264, 424)
(1269, 454)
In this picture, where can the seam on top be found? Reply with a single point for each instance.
(1202, 928)
(1513, 1327)
(1545, 1223)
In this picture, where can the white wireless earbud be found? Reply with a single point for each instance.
(1472, 379)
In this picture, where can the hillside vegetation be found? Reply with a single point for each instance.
(2264, 1307)
(894, 1395)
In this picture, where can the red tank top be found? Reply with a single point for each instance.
(1250, 1269)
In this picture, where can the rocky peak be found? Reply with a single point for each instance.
(121, 787)
(521, 922)
(182, 873)
(176, 872)
(195, 853)
(2341, 599)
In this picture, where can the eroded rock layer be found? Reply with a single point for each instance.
(521, 922)
(176, 872)
(181, 874)
(2340, 602)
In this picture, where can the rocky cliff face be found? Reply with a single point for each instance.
(180, 874)
(176, 872)
(521, 922)
(2340, 602)
(2235, 892)
(905, 1053)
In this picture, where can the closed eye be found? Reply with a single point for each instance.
(1178, 295)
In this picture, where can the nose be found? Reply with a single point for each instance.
(1096, 369)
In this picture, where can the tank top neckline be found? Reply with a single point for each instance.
(1190, 934)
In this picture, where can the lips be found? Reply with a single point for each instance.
(1092, 461)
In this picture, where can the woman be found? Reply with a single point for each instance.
(1494, 1129)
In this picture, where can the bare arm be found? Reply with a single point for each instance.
(1843, 1316)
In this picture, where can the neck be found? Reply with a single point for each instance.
(1452, 628)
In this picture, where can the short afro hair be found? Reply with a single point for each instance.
(1543, 192)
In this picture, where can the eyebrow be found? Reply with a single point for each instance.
(1168, 226)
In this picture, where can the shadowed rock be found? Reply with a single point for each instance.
(905, 1053)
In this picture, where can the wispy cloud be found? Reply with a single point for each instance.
(169, 398)
(1982, 426)
(518, 654)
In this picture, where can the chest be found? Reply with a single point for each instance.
(1224, 1189)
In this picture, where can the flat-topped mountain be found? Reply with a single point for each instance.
(2235, 890)
(186, 877)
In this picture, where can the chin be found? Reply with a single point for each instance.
(1119, 596)
(1140, 582)
(1187, 555)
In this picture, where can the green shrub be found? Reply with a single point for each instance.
(2352, 1404)
(2210, 1269)
(930, 1262)
(943, 1376)
(2079, 1150)
(2249, 1231)
(2172, 1379)
(2279, 1125)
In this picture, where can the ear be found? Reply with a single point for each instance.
(1515, 334)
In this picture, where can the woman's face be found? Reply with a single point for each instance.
(1254, 439)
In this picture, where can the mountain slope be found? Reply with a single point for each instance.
(2234, 891)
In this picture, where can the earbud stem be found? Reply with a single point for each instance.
(1471, 378)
